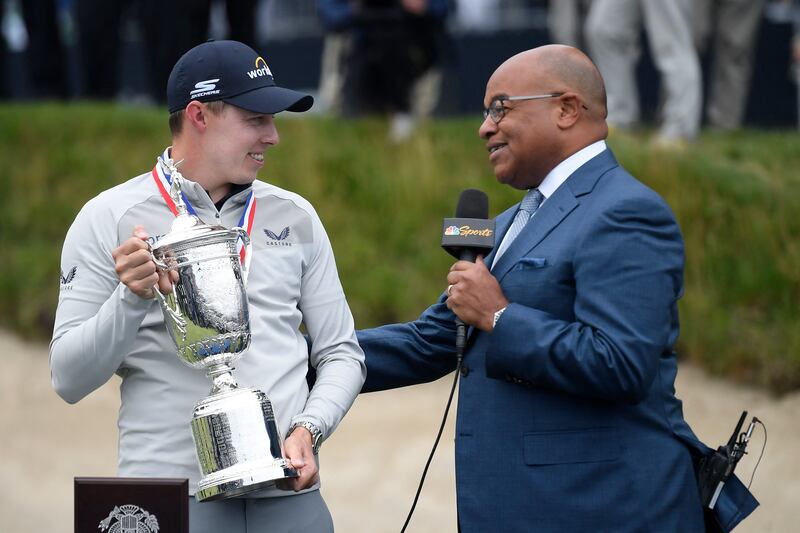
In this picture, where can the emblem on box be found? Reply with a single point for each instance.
(129, 519)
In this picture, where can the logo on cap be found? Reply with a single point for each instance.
(204, 88)
(262, 71)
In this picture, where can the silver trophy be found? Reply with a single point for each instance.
(234, 430)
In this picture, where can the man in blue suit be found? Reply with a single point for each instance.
(567, 417)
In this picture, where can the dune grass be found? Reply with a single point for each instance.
(735, 196)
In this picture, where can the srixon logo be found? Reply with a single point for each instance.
(261, 69)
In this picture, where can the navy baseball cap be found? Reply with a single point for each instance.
(234, 73)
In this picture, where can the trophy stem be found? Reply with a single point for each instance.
(221, 377)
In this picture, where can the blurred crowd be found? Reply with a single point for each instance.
(682, 35)
(385, 56)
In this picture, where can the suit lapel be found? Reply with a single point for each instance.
(501, 225)
(547, 217)
(560, 204)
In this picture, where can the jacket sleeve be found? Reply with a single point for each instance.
(399, 355)
(98, 318)
(335, 353)
(627, 275)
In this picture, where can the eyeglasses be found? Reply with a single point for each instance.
(497, 110)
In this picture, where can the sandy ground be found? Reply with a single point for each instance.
(370, 467)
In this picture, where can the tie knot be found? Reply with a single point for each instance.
(531, 201)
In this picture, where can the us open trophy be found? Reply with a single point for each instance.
(234, 430)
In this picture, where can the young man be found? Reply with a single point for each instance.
(222, 100)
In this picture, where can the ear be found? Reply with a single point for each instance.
(569, 110)
(196, 115)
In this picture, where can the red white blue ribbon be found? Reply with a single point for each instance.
(246, 222)
(164, 183)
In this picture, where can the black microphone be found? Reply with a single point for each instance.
(466, 236)
(471, 232)
(717, 467)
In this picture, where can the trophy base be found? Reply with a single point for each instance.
(223, 485)
(238, 445)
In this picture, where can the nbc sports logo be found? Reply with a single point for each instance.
(452, 230)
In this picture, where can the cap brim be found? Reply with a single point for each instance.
(271, 100)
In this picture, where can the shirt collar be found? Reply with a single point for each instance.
(192, 189)
(235, 189)
(564, 170)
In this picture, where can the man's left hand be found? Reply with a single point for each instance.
(474, 294)
(300, 455)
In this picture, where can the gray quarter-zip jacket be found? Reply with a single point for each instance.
(102, 328)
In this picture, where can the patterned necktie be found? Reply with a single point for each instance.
(527, 208)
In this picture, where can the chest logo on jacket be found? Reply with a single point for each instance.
(66, 280)
(278, 239)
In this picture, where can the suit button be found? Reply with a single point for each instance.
(464, 371)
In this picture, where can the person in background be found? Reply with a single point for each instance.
(390, 46)
(613, 30)
(727, 30)
(46, 53)
(565, 20)
(167, 30)
(796, 53)
(336, 17)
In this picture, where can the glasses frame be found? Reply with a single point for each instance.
(490, 111)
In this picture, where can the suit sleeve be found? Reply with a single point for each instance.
(627, 272)
(407, 354)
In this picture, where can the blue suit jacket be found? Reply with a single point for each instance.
(567, 418)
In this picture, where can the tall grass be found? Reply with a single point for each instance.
(735, 196)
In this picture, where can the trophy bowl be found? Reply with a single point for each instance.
(207, 314)
(239, 449)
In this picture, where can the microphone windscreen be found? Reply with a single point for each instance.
(473, 203)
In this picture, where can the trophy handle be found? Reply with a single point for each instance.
(174, 314)
(248, 255)
(159, 264)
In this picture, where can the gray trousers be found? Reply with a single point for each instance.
(305, 512)
(335, 50)
(612, 32)
(730, 28)
(565, 21)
